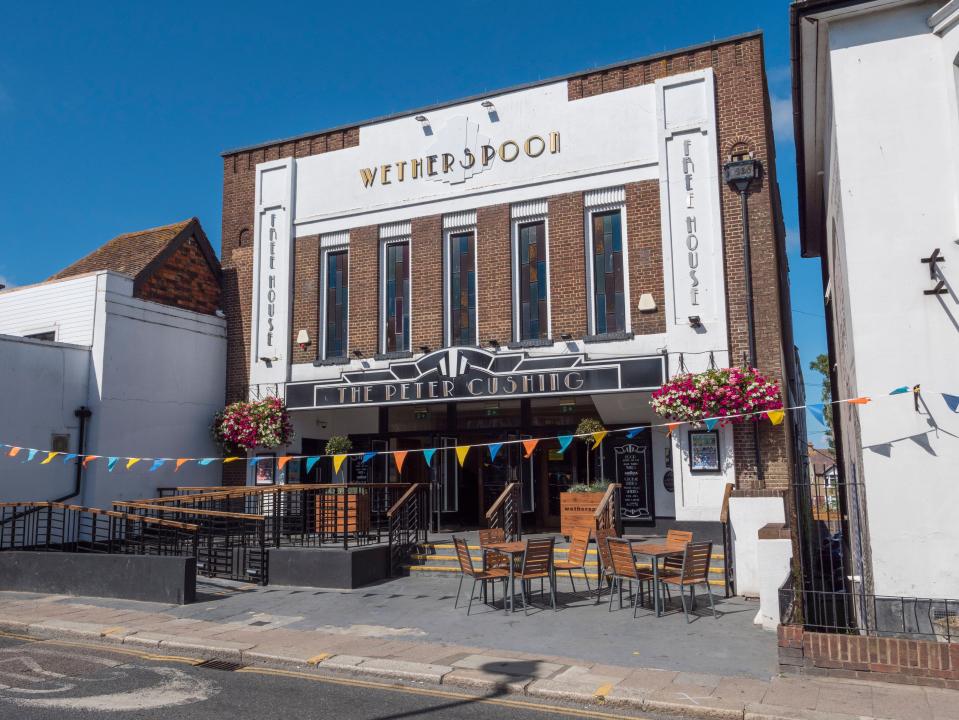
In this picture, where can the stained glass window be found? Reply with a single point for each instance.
(609, 302)
(397, 296)
(462, 289)
(533, 317)
(337, 302)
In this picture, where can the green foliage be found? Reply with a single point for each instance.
(338, 445)
(598, 486)
(588, 426)
(821, 366)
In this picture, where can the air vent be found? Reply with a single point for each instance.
(217, 664)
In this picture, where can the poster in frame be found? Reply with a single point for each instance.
(265, 471)
(704, 451)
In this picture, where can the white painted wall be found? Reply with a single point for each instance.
(894, 199)
(41, 385)
(64, 306)
(746, 516)
(773, 566)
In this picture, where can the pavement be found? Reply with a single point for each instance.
(407, 631)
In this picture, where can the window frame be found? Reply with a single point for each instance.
(324, 287)
(588, 250)
(384, 243)
(448, 234)
(516, 223)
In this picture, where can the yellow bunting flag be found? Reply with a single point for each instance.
(399, 456)
(529, 446)
(859, 401)
(338, 462)
(672, 426)
(461, 451)
(282, 461)
(88, 458)
(13, 451)
(776, 416)
(50, 455)
(598, 438)
(180, 462)
(132, 461)
(230, 459)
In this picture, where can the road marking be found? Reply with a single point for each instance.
(122, 651)
(603, 690)
(317, 659)
(549, 709)
(111, 631)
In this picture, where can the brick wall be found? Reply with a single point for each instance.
(567, 253)
(494, 281)
(426, 323)
(364, 291)
(646, 271)
(913, 662)
(306, 298)
(184, 280)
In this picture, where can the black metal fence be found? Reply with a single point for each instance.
(408, 520)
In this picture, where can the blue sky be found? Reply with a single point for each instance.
(113, 115)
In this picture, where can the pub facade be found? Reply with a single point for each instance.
(501, 267)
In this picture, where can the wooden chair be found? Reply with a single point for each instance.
(673, 564)
(492, 559)
(479, 576)
(576, 559)
(624, 568)
(538, 565)
(605, 575)
(694, 571)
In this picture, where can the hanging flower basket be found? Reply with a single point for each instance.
(244, 426)
(725, 393)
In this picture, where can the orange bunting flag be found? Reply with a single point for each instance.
(132, 461)
(338, 462)
(13, 451)
(230, 459)
(180, 462)
(859, 401)
(282, 461)
(529, 446)
(399, 456)
(776, 416)
(598, 438)
(50, 455)
(461, 451)
(88, 458)
(672, 426)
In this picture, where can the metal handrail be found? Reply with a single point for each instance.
(95, 511)
(404, 497)
(505, 511)
(607, 512)
(494, 508)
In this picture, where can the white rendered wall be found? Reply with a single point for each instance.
(746, 516)
(894, 106)
(42, 383)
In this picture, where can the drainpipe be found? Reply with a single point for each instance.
(83, 413)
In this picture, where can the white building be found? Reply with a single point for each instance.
(150, 374)
(877, 133)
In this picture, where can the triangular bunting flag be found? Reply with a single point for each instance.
(31, 453)
(816, 410)
(230, 459)
(776, 416)
(310, 462)
(68, 457)
(529, 446)
(251, 462)
(205, 461)
(710, 422)
(952, 401)
(157, 463)
(398, 457)
(282, 461)
(180, 462)
(899, 390)
(428, 456)
(88, 458)
(50, 455)
(368, 456)
(461, 451)
(564, 441)
(634, 432)
(13, 451)
(494, 448)
(338, 462)
(111, 463)
(132, 461)
(671, 427)
(859, 401)
(598, 438)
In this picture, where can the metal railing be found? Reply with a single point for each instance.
(729, 573)
(57, 527)
(607, 515)
(506, 512)
(408, 520)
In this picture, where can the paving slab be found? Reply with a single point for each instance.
(508, 666)
(404, 670)
(488, 681)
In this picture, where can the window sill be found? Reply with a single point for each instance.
(397, 355)
(539, 342)
(608, 337)
(331, 361)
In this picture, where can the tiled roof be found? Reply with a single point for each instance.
(130, 253)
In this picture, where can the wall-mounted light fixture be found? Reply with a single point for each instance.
(302, 338)
(494, 343)
(695, 321)
(647, 303)
(424, 349)
(357, 353)
(566, 336)
(490, 110)
(424, 124)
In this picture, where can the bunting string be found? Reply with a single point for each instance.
(775, 417)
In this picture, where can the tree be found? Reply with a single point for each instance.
(821, 366)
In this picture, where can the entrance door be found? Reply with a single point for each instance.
(444, 479)
(510, 466)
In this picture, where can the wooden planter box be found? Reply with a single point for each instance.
(578, 510)
(334, 515)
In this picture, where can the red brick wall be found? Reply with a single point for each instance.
(567, 265)
(426, 322)
(306, 298)
(494, 281)
(184, 280)
(364, 290)
(913, 662)
(646, 271)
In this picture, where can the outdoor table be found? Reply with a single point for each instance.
(510, 550)
(654, 551)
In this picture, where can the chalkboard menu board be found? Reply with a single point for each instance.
(359, 470)
(631, 473)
